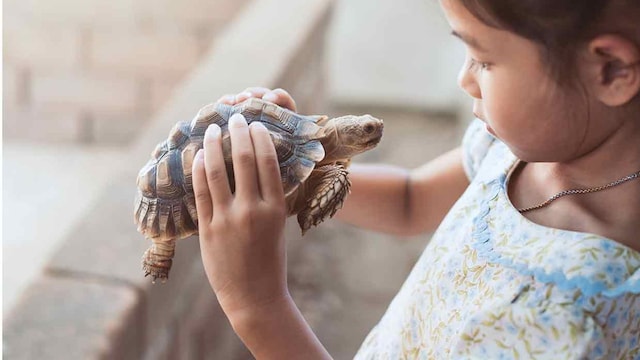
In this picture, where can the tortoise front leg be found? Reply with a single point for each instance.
(326, 189)
(156, 261)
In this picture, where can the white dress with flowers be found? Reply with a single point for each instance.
(493, 285)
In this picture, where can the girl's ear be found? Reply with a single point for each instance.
(615, 62)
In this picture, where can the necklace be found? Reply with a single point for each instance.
(582, 191)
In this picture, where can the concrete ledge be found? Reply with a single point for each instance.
(96, 270)
(67, 317)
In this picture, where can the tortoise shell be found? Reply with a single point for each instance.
(165, 204)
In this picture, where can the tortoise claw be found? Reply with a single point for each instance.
(155, 272)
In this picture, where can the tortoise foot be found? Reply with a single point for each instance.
(156, 266)
(329, 187)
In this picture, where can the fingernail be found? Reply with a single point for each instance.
(258, 125)
(230, 98)
(199, 155)
(237, 120)
(270, 97)
(212, 131)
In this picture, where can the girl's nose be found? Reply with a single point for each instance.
(467, 81)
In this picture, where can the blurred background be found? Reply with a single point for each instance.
(89, 88)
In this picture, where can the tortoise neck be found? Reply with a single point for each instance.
(331, 141)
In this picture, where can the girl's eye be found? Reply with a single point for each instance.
(475, 65)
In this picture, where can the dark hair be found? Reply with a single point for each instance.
(560, 26)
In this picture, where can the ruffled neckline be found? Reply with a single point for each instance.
(591, 263)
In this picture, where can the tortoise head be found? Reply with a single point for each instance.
(350, 135)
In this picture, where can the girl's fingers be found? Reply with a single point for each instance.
(243, 96)
(267, 163)
(215, 169)
(228, 99)
(256, 91)
(201, 189)
(244, 162)
(280, 97)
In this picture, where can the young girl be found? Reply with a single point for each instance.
(556, 89)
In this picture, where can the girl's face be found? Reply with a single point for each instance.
(513, 94)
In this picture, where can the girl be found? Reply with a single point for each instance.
(556, 87)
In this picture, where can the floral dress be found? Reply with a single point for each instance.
(493, 285)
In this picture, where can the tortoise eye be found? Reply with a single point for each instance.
(368, 128)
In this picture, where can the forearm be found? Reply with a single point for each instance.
(404, 202)
(379, 198)
(435, 187)
(277, 331)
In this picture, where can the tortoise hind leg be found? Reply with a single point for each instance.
(156, 261)
(327, 187)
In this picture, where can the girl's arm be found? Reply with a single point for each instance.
(404, 202)
(242, 243)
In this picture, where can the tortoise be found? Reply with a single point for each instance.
(313, 155)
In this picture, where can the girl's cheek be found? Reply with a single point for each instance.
(494, 106)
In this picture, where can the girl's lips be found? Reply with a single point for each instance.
(489, 128)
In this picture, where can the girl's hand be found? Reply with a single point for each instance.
(278, 96)
(241, 234)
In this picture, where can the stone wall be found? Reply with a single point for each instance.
(92, 301)
(95, 71)
(398, 54)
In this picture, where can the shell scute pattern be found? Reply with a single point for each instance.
(169, 177)
(210, 114)
(178, 135)
(160, 150)
(276, 117)
(165, 182)
(187, 156)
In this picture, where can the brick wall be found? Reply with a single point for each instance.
(94, 71)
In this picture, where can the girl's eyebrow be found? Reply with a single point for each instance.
(469, 40)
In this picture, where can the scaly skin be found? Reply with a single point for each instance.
(157, 262)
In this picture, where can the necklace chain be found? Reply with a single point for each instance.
(582, 191)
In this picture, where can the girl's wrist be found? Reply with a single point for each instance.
(250, 316)
(276, 330)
